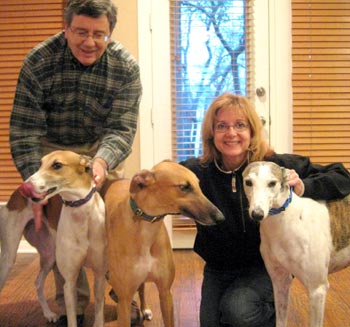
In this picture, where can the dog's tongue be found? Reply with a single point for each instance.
(27, 190)
(38, 216)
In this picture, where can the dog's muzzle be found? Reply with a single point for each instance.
(257, 214)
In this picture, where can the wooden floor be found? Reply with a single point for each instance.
(19, 306)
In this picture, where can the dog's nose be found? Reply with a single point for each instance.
(218, 217)
(257, 214)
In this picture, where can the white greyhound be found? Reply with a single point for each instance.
(299, 237)
(81, 238)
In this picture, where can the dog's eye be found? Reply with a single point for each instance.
(272, 184)
(248, 182)
(57, 165)
(186, 187)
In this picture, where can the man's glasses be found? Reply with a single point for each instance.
(238, 126)
(82, 35)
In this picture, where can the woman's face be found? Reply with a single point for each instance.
(88, 37)
(232, 136)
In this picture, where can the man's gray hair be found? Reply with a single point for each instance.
(91, 8)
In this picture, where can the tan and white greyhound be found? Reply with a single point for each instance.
(139, 248)
(299, 237)
(16, 220)
(80, 239)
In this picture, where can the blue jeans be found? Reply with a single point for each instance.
(237, 299)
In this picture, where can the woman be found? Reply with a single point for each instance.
(236, 289)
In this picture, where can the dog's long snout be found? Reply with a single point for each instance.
(204, 215)
(257, 214)
(217, 216)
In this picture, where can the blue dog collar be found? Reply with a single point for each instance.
(276, 211)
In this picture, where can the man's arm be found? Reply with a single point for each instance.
(121, 123)
(27, 123)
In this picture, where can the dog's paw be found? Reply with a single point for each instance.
(147, 314)
(51, 316)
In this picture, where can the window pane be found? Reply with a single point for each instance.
(208, 48)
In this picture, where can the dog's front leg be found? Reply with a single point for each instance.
(317, 304)
(70, 301)
(164, 274)
(167, 306)
(44, 242)
(70, 271)
(70, 254)
(146, 313)
(123, 311)
(99, 291)
(281, 281)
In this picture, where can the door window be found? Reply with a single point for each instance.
(208, 57)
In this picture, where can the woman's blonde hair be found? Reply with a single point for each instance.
(258, 147)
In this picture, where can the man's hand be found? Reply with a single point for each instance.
(99, 171)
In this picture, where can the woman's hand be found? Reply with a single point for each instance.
(295, 182)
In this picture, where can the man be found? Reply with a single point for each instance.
(78, 90)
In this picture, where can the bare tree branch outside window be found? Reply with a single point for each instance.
(208, 52)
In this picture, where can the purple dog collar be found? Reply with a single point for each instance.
(80, 202)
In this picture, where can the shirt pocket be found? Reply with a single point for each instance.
(96, 111)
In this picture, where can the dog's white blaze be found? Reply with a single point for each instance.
(260, 195)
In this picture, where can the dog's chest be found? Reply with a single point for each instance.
(81, 219)
(80, 216)
(300, 231)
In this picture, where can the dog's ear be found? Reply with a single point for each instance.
(17, 201)
(141, 180)
(85, 163)
(284, 178)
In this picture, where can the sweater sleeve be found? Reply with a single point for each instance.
(27, 123)
(322, 182)
(121, 124)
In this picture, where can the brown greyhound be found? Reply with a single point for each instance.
(139, 248)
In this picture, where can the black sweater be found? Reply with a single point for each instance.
(234, 244)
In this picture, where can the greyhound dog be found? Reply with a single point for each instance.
(139, 248)
(16, 219)
(299, 237)
(80, 238)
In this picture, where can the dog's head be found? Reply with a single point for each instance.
(266, 186)
(59, 171)
(171, 188)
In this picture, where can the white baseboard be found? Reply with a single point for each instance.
(183, 238)
(25, 247)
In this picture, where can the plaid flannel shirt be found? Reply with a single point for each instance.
(59, 99)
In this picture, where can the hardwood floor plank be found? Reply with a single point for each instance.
(19, 306)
